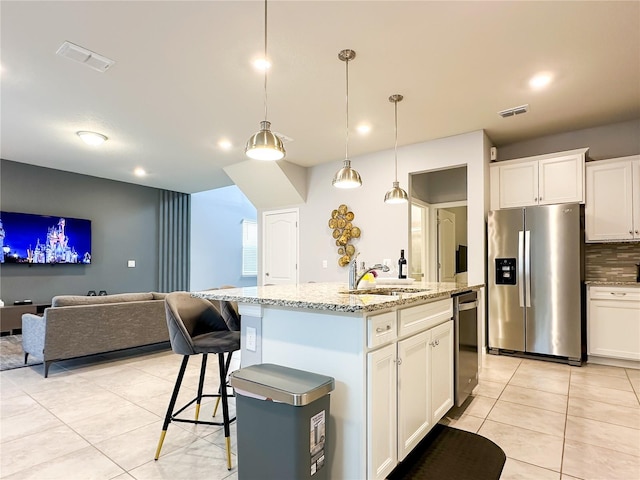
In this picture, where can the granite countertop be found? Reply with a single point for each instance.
(330, 296)
(612, 284)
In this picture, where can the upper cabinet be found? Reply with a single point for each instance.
(541, 180)
(613, 200)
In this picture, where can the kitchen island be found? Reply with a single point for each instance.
(390, 351)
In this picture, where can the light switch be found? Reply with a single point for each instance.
(324, 264)
(131, 263)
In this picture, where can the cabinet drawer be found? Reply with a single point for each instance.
(615, 293)
(421, 317)
(381, 329)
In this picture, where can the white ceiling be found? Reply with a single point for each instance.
(183, 78)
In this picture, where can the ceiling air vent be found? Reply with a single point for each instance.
(510, 112)
(84, 56)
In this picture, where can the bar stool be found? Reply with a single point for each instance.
(196, 327)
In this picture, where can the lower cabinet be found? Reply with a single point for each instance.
(613, 320)
(382, 430)
(409, 389)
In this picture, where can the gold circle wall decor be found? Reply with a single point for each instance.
(344, 231)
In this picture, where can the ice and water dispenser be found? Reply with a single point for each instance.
(505, 271)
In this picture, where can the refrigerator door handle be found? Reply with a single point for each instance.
(521, 267)
(527, 266)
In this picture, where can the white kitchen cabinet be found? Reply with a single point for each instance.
(613, 322)
(540, 180)
(409, 389)
(414, 390)
(441, 366)
(381, 406)
(612, 211)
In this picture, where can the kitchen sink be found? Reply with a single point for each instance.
(395, 291)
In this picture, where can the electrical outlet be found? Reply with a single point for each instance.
(251, 339)
(131, 263)
(324, 264)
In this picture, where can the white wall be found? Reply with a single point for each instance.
(385, 228)
(216, 238)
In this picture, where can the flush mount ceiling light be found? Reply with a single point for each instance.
(347, 177)
(140, 172)
(265, 145)
(92, 138)
(396, 194)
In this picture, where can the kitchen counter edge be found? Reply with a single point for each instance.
(329, 297)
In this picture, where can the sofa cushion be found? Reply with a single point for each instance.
(73, 300)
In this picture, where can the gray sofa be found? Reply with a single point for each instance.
(75, 326)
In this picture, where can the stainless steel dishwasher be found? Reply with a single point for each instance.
(465, 326)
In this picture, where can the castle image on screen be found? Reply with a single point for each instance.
(39, 239)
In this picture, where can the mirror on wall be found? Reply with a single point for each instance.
(438, 219)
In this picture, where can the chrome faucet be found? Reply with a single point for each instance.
(354, 278)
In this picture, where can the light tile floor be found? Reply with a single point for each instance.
(557, 422)
(100, 418)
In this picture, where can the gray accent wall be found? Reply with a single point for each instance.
(124, 222)
(606, 141)
(440, 186)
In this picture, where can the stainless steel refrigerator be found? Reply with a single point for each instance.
(535, 286)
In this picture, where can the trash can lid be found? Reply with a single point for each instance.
(281, 384)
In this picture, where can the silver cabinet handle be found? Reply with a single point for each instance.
(398, 361)
(380, 329)
(467, 306)
(630, 232)
(535, 199)
(618, 294)
(267, 274)
(540, 198)
(435, 343)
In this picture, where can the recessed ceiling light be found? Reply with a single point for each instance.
(225, 144)
(139, 172)
(262, 64)
(363, 129)
(92, 138)
(540, 81)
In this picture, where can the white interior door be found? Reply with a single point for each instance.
(446, 246)
(280, 247)
(419, 240)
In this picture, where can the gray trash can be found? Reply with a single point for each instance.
(282, 423)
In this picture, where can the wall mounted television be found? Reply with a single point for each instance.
(31, 239)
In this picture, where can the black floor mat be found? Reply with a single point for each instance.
(451, 454)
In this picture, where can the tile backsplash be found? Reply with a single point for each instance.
(611, 262)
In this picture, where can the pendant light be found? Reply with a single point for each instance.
(347, 177)
(265, 145)
(396, 194)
